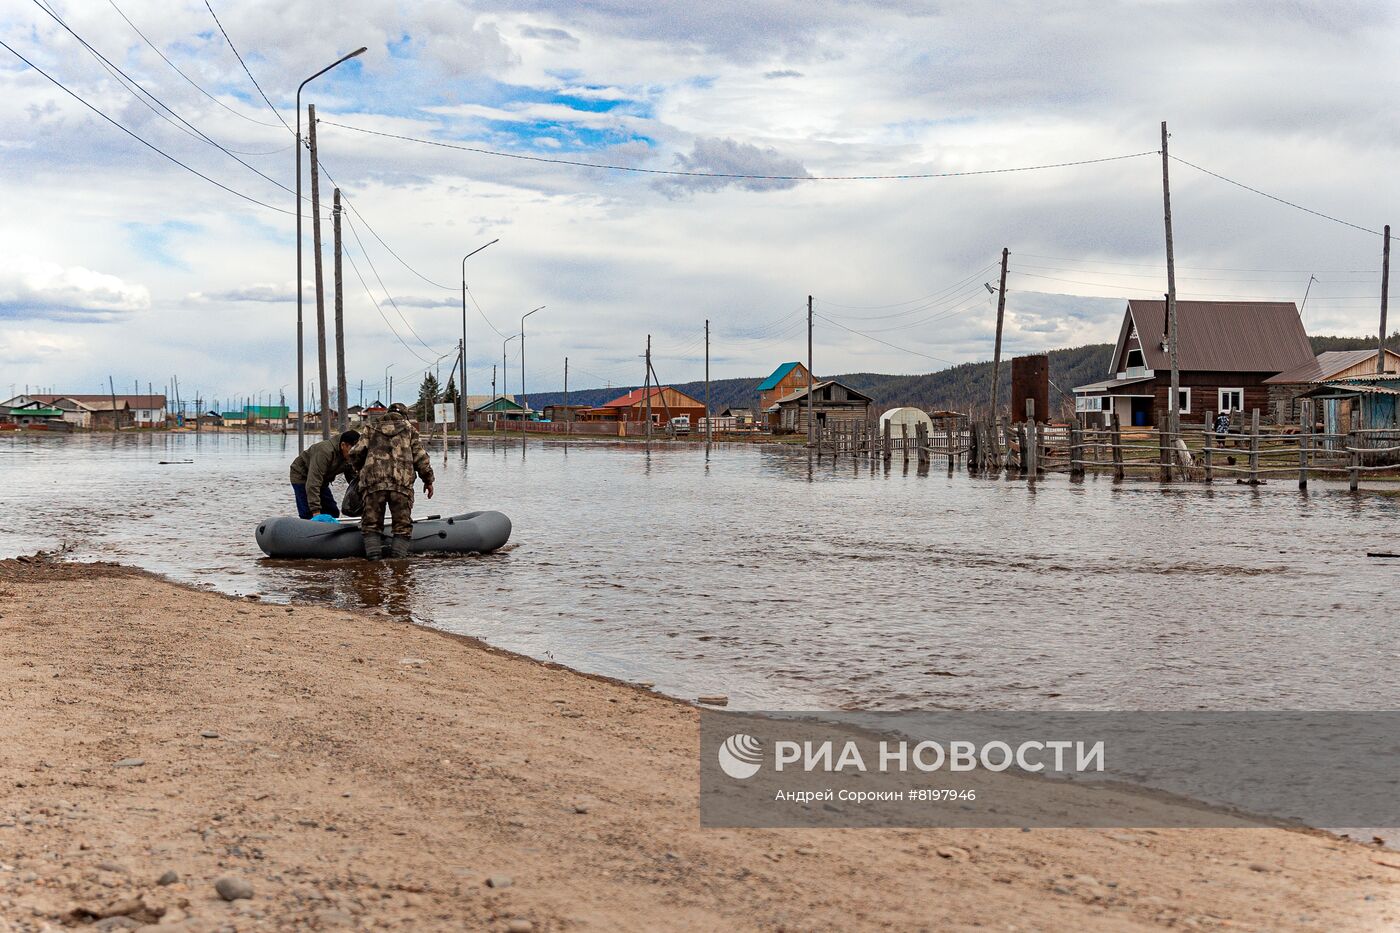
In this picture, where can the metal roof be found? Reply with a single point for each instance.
(1325, 366)
(778, 376)
(1221, 336)
(639, 397)
(1342, 389)
(132, 401)
(1113, 383)
(802, 392)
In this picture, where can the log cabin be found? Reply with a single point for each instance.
(1226, 350)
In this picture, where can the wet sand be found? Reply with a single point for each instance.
(361, 772)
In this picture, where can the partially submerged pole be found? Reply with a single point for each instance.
(340, 388)
(1385, 296)
(1001, 315)
(320, 280)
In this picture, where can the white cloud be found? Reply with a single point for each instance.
(35, 346)
(1283, 98)
(35, 288)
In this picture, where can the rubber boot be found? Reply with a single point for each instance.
(374, 545)
(398, 547)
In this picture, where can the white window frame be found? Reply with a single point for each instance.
(1184, 409)
(1220, 394)
(1128, 359)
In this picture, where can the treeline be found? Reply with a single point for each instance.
(957, 388)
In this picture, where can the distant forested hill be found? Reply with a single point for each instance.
(956, 388)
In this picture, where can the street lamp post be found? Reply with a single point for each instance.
(524, 399)
(504, 381)
(462, 380)
(301, 376)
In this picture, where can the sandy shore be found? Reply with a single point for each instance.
(358, 772)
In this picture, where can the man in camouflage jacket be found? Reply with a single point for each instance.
(393, 454)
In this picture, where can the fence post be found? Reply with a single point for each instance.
(1305, 424)
(1354, 468)
(1254, 448)
(1164, 463)
(1115, 438)
(1076, 465)
(887, 442)
(1207, 445)
(904, 440)
(950, 446)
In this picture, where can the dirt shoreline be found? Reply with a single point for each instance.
(364, 773)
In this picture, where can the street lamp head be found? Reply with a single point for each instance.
(360, 51)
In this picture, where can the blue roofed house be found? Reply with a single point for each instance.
(785, 380)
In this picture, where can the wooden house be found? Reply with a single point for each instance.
(832, 402)
(1286, 388)
(743, 418)
(1226, 350)
(666, 403)
(783, 381)
(562, 413)
(501, 409)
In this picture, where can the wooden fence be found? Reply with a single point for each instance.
(1247, 454)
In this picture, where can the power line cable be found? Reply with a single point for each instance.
(896, 304)
(234, 49)
(154, 148)
(1161, 266)
(136, 86)
(363, 252)
(1273, 197)
(472, 296)
(349, 255)
(735, 175)
(927, 356)
(193, 83)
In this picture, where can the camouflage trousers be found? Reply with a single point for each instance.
(400, 504)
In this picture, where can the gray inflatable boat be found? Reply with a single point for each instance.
(299, 538)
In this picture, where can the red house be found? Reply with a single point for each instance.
(666, 402)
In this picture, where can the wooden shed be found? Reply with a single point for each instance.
(832, 402)
(1288, 387)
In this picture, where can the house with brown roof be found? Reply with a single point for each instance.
(832, 402)
(1225, 349)
(143, 411)
(666, 403)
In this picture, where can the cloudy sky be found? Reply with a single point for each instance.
(115, 261)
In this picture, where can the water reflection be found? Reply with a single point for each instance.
(779, 580)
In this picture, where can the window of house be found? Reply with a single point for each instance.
(1106, 404)
(1135, 359)
(1231, 399)
(1183, 401)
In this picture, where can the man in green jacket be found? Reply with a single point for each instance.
(315, 468)
(393, 456)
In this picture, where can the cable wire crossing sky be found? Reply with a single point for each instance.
(649, 167)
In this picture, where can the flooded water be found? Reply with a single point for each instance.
(750, 576)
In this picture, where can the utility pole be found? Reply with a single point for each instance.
(1385, 296)
(494, 414)
(811, 423)
(340, 389)
(568, 412)
(112, 389)
(1001, 317)
(708, 416)
(1174, 402)
(647, 391)
(320, 281)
